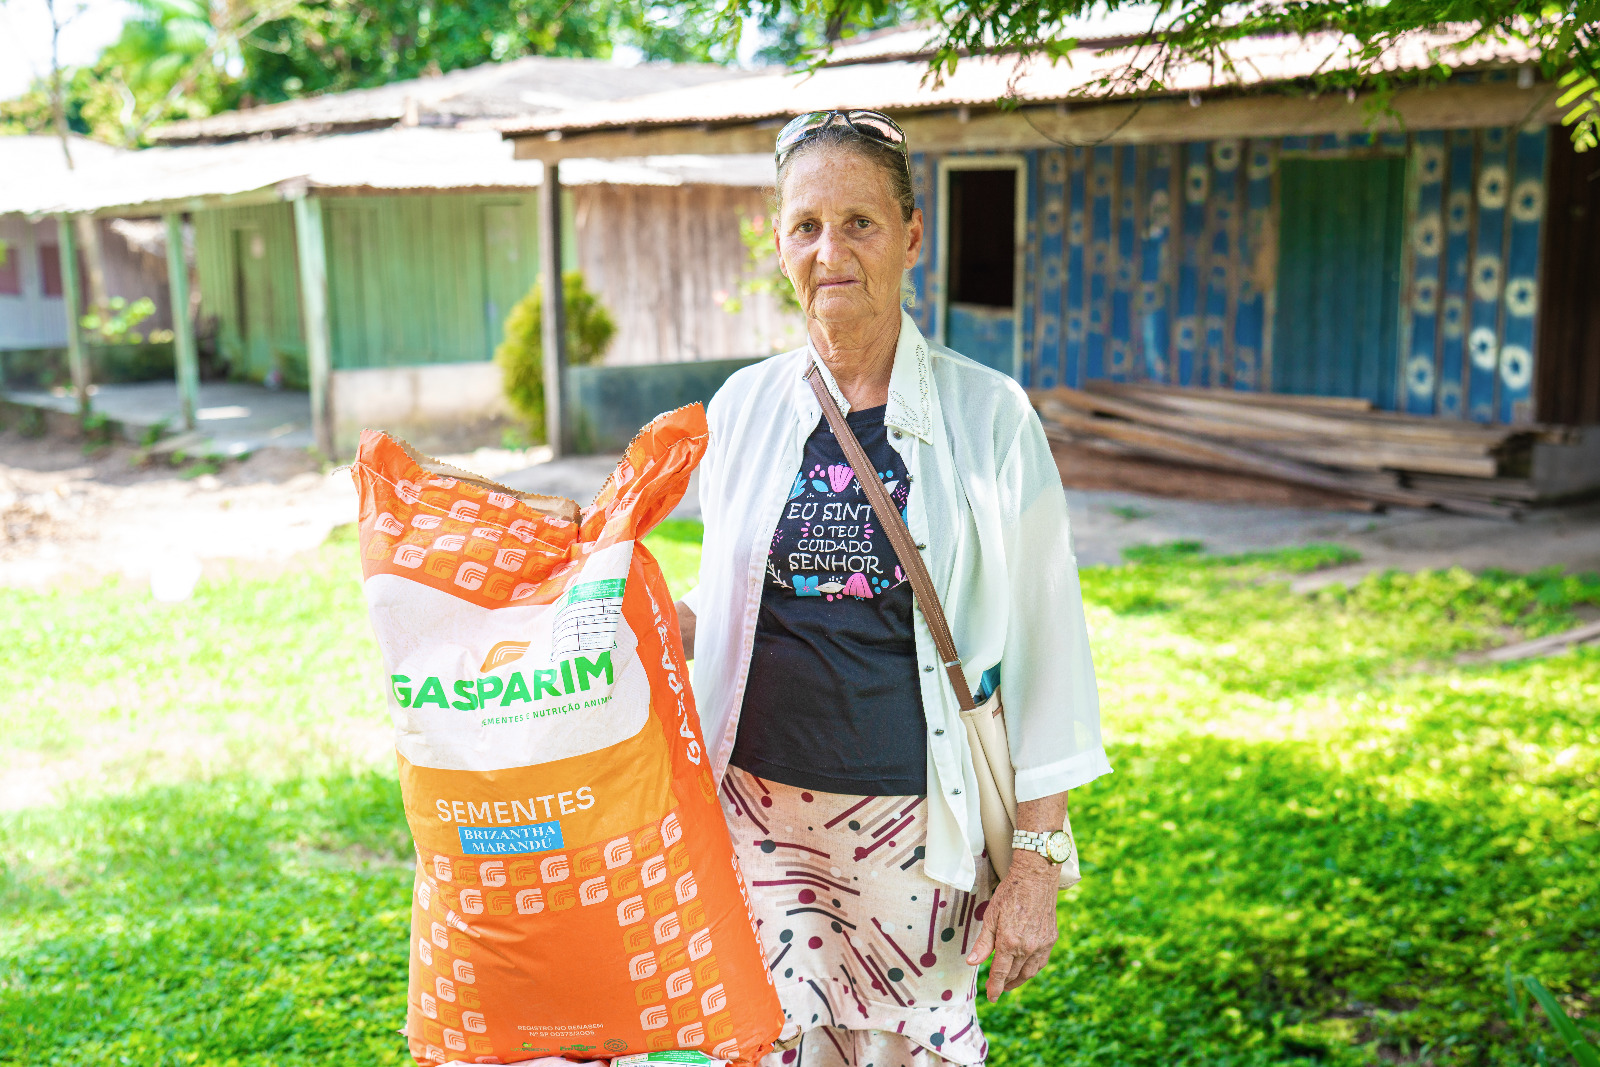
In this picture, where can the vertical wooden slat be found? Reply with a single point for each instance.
(1460, 224)
(1154, 261)
(1216, 258)
(1492, 189)
(1052, 265)
(1077, 281)
(1025, 340)
(1255, 265)
(312, 248)
(1123, 195)
(185, 355)
(1231, 260)
(1424, 228)
(554, 317)
(1102, 176)
(1521, 294)
(1267, 276)
(1186, 324)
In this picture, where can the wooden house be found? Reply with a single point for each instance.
(1438, 257)
(367, 246)
(33, 274)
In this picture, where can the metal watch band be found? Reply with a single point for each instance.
(1033, 841)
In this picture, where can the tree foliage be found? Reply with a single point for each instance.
(332, 45)
(521, 354)
(1565, 36)
(178, 59)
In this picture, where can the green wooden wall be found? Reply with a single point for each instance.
(249, 284)
(412, 279)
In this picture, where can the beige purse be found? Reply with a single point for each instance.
(985, 723)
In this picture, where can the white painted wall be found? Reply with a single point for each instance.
(437, 406)
(31, 320)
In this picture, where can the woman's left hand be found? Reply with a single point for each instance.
(1019, 926)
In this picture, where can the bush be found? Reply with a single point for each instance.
(521, 354)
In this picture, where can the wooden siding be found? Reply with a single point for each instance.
(271, 338)
(1160, 262)
(663, 260)
(30, 319)
(426, 279)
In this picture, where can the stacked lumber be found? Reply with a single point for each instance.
(1337, 446)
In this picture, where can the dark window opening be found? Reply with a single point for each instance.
(1567, 389)
(983, 238)
(10, 269)
(50, 269)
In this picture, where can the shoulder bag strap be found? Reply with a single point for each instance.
(900, 537)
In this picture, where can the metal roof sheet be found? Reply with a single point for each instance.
(903, 85)
(399, 159)
(518, 87)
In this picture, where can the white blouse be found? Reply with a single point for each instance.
(988, 510)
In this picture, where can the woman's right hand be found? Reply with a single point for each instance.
(686, 629)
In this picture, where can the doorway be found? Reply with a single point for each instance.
(1340, 245)
(1568, 384)
(981, 237)
(254, 298)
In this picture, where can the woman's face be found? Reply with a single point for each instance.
(841, 239)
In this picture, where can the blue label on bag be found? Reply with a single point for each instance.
(509, 840)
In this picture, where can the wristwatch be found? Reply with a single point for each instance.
(1055, 847)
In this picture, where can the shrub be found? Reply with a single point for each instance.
(521, 354)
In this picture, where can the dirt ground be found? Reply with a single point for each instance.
(69, 517)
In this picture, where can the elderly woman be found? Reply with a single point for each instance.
(846, 776)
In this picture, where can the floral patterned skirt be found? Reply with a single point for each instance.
(868, 952)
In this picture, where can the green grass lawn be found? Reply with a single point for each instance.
(1325, 842)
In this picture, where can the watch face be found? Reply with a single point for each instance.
(1058, 847)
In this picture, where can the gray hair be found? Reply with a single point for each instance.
(896, 168)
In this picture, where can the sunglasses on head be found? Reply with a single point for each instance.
(873, 125)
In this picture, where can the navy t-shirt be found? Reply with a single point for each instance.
(833, 702)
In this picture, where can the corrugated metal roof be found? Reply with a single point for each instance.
(519, 87)
(400, 159)
(922, 39)
(902, 85)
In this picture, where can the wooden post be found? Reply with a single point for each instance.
(554, 332)
(72, 298)
(314, 316)
(186, 356)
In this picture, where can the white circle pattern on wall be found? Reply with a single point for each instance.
(1492, 187)
(1482, 348)
(1516, 367)
(1419, 375)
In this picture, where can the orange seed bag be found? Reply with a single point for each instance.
(576, 891)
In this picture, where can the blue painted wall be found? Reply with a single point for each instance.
(1160, 263)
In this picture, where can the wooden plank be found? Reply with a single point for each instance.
(1337, 451)
(1331, 425)
(313, 255)
(1443, 107)
(72, 301)
(554, 319)
(1193, 450)
(1518, 489)
(185, 355)
(1286, 400)
(1095, 463)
